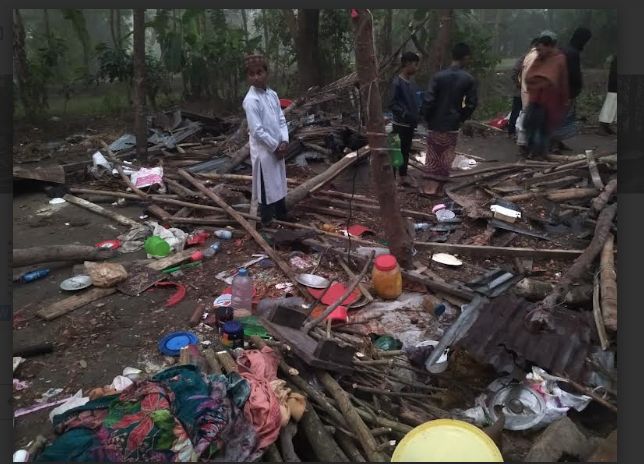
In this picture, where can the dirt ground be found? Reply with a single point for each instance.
(94, 343)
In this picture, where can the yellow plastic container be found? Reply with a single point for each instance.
(386, 277)
(446, 440)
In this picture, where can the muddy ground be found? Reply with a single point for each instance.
(94, 343)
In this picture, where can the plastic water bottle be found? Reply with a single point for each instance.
(224, 234)
(242, 290)
(211, 250)
(34, 275)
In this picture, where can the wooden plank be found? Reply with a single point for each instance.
(62, 307)
(54, 174)
(94, 208)
(172, 260)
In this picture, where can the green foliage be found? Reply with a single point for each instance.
(77, 19)
(114, 64)
(335, 43)
(480, 38)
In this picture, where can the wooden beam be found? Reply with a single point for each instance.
(94, 208)
(62, 307)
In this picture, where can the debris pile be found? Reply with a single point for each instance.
(513, 276)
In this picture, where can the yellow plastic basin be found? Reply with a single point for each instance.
(446, 440)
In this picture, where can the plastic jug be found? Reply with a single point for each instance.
(386, 277)
(242, 297)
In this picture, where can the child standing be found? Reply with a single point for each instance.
(268, 140)
(404, 107)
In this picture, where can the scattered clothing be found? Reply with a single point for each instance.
(267, 129)
(292, 405)
(262, 409)
(179, 415)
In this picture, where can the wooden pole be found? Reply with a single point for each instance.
(94, 208)
(52, 253)
(139, 85)
(608, 284)
(382, 175)
(253, 233)
(367, 441)
(540, 315)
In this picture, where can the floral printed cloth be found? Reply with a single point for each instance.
(179, 415)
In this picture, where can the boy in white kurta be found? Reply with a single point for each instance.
(268, 140)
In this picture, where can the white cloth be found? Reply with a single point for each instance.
(267, 129)
(522, 135)
(608, 114)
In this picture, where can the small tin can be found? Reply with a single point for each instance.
(233, 335)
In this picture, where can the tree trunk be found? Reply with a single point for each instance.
(386, 43)
(439, 52)
(265, 19)
(305, 31)
(381, 171)
(140, 128)
(113, 30)
(245, 24)
(119, 33)
(47, 29)
(21, 66)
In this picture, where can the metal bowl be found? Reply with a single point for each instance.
(312, 280)
(75, 283)
(523, 407)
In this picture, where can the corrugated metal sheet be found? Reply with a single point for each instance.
(499, 337)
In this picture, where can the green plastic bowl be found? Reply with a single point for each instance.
(156, 246)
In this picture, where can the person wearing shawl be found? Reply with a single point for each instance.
(522, 135)
(515, 78)
(268, 141)
(547, 85)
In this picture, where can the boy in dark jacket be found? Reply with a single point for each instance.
(404, 107)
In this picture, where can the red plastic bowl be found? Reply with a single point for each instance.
(285, 103)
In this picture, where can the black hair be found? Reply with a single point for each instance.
(534, 41)
(409, 57)
(460, 51)
(546, 40)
